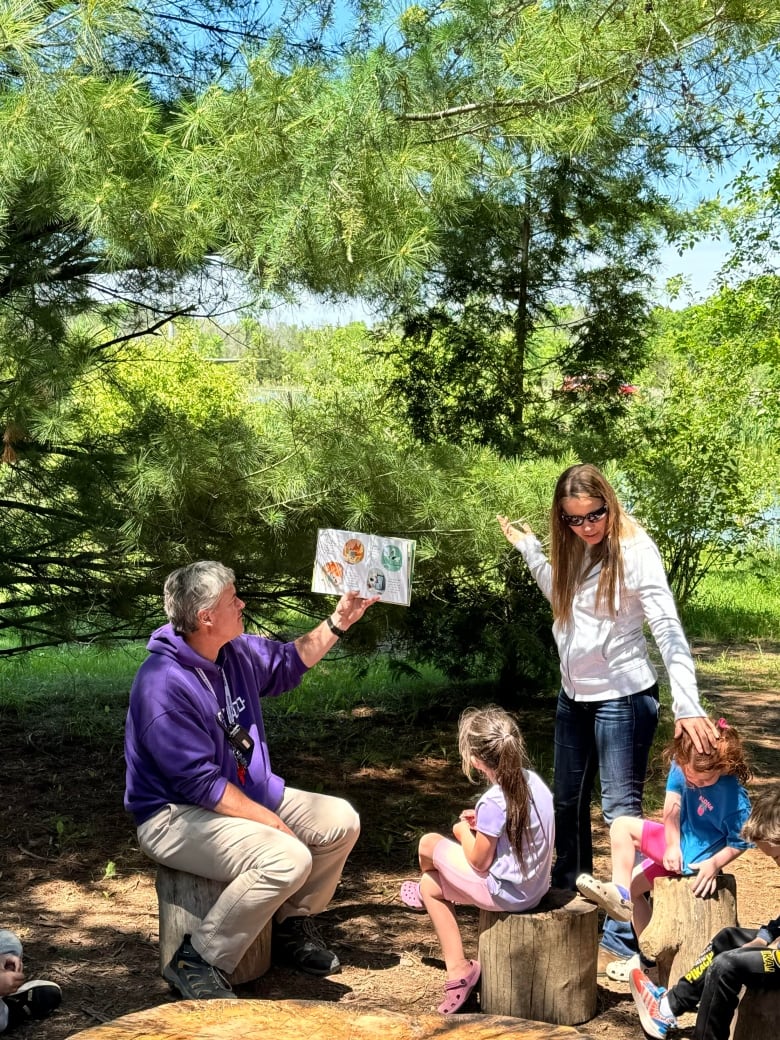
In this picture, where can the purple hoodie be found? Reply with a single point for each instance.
(175, 749)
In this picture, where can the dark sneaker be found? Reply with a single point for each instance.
(298, 943)
(194, 978)
(35, 999)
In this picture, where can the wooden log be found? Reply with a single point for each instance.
(758, 1015)
(683, 924)
(183, 901)
(294, 1019)
(542, 964)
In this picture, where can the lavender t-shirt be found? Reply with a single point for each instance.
(519, 885)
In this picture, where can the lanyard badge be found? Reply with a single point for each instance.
(240, 742)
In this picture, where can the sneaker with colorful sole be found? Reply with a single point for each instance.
(647, 998)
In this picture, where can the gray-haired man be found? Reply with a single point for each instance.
(202, 791)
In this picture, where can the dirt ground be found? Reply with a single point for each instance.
(74, 885)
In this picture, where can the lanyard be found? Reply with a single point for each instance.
(241, 744)
(232, 714)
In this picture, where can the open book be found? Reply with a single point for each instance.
(371, 564)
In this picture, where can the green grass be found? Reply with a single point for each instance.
(82, 692)
(739, 605)
(758, 671)
(347, 684)
(73, 692)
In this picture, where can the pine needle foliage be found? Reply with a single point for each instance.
(141, 141)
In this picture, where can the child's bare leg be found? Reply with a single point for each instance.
(442, 915)
(425, 848)
(625, 837)
(642, 909)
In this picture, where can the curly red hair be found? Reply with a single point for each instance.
(728, 755)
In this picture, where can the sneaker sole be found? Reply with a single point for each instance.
(646, 1019)
(35, 999)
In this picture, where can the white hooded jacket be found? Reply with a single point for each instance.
(605, 657)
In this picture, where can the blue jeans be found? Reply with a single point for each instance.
(611, 738)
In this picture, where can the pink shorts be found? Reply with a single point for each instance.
(653, 846)
(458, 880)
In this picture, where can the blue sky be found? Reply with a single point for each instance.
(698, 266)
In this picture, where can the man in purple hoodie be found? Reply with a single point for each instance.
(201, 788)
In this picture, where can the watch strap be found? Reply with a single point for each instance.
(335, 628)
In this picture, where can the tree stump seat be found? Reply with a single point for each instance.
(541, 964)
(293, 1019)
(683, 924)
(183, 901)
(758, 1015)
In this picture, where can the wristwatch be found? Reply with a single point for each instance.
(335, 628)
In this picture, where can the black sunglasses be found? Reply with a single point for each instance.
(578, 521)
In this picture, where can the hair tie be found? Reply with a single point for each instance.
(722, 724)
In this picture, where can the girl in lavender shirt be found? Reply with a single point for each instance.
(502, 853)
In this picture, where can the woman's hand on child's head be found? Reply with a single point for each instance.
(705, 880)
(513, 534)
(702, 731)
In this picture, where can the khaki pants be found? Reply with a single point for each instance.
(267, 871)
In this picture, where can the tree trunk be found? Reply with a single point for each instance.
(682, 924)
(183, 901)
(541, 964)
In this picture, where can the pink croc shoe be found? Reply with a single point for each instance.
(410, 895)
(457, 991)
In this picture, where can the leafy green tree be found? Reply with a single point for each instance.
(704, 468)
(348, 462)
(141, 470)
(488, 353)
(136, 155)
(104, 234)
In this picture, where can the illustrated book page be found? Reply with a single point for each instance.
(371, 564)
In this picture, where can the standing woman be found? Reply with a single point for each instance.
(604, 579)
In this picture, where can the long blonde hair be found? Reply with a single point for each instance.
(568, 552)
(493, 736)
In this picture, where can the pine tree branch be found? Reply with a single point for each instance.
(95, 561)
(28, 507)
(147, 331)
(517, 107)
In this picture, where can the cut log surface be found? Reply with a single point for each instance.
(541, 965)
(758, 1015)
(184, 900)
(682, 924)
(296, 1019)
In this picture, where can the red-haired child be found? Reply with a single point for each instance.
(705, 809)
